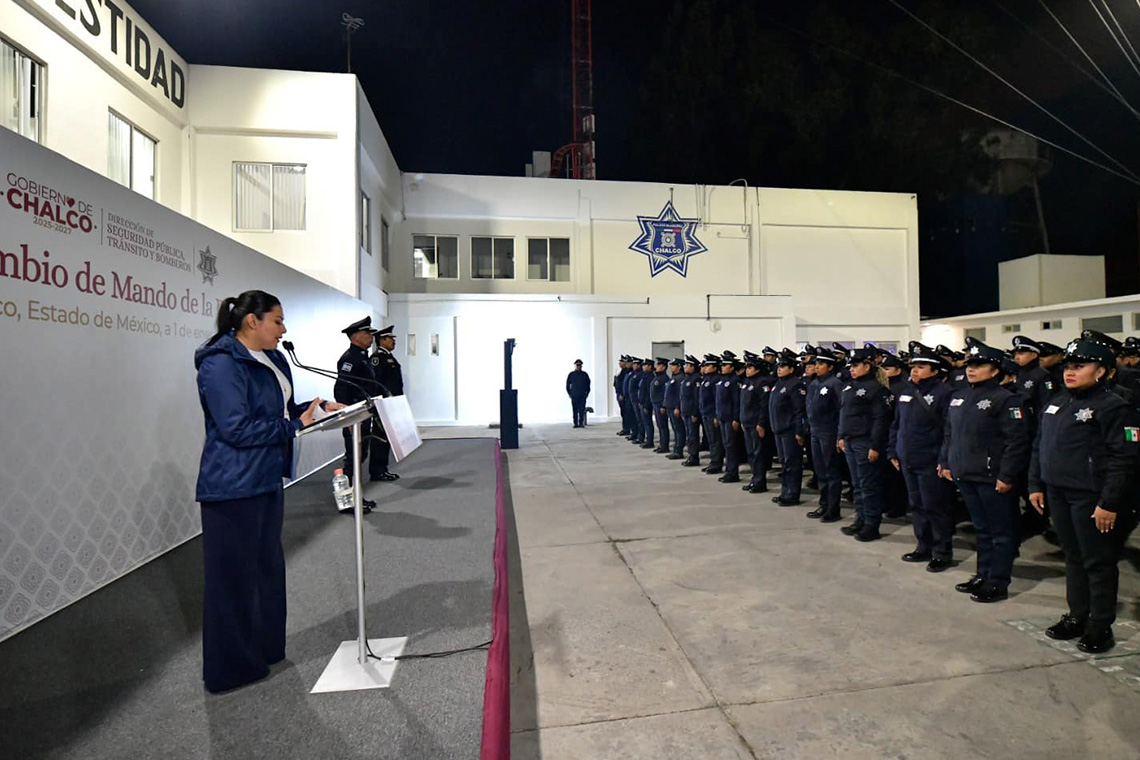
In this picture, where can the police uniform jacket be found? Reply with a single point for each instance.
(688, 394)
(918, 428)
(753, 396)
(897, 385)
(823, 404)
(956, 378)
(578, 383)
(673, 392)
(1035, 385)
(354, 369)
(388, 372)
(707, 395)
(619, 382)
(644, 388)
(986, 437)
(657, 389)
(629, 387)
(727, 398)
(865, 412)
(1087, 441)
(1127, 378)
(787, 411)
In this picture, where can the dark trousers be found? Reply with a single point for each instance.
(1091, 557)
(767, 451)
(732, 452)
(993, 523)
(791, 455)
(578, 409)
(895, 491)
(828, 471)
(243, 619)
(624, 409)
(693, 436)
(867, 477)
(366, 448)
(932, 507)
(378, 451)
(716, 444)
(647, 423)
(635, 426)
(662, 419)
(677, 422)
(754, 449)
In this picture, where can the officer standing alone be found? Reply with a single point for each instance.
(578, 388)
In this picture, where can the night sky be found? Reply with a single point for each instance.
(711, 90)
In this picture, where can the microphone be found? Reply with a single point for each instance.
(288, 346)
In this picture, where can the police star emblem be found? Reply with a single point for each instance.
(668, 241)
(823, 391)
(929, 398)
(985, 404)
(1084, 415)
(207, 265)
(861, 392)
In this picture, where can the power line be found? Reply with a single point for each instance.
(1123, 34)
(938, 93)
(1112, 34)
(1080, 47)
(1013, 87)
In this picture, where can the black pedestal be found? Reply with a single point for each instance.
(509, 419)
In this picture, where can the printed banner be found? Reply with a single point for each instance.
(104, 295)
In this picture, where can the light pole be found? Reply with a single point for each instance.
(350, 24)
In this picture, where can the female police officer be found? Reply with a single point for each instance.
(1083, 459)
(246, 391)
(864, 430)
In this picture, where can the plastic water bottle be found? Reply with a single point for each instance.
(342, 491)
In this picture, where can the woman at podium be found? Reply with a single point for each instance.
(246, 391)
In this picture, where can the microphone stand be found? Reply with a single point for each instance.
(368, 400)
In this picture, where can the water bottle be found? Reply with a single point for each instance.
(342, 491)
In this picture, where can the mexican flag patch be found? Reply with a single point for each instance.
(1015, 414)
(1132, 434)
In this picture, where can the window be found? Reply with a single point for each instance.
(21, 93)
(1051, 324)
(130, 155)
(384, 244)
(492, 258)
(269, 197)
(977, 333)
(435, 257)
(888, 346)
(1015, 327)
(548, 259)
(1136, 321)
(366, 223)
(1111, 324)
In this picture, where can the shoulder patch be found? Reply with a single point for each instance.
(346, 367)
(1015, 413)
(1132, 435)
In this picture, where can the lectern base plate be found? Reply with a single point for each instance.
(345, 673)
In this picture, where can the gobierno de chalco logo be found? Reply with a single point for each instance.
(668, 241)
(49, 207)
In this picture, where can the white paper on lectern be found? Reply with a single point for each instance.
(399, 425)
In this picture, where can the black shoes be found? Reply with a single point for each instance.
(848, 496)
(386, 477)
(366, 506)
(830, 518)
(937, 565)
(971, 585)
(815, 514)
(691, 463)
(660, 450)
(915, 557)
(1068, 627)
(675, 456)
(711, 470)
(757, 488)
(853, 528)
(1097, 640)
(729, 477)
(782, 502)
(623, 432)
(868, 534)
(648, 446)
(987, 593)
(813, 483)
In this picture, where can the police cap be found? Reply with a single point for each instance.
(862, 355)
(711, 360)
(980, 353)
(578, 362)
(788, 358)
(890, 360)
(1096, 336)
(1088, 351)
(823, 355)
(357, 326)
(1049, 349)
(1022, 343)
(386, 332)
(924, 355)
(690, 359)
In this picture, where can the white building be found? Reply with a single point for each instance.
(295, 165)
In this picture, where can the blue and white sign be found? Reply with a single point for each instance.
(668, 241)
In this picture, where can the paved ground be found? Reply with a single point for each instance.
(660, 614)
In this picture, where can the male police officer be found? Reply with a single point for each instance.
(672, 408)
(391, 380)
(578, 388)
(657, 401)
(355, 382)
(707, 402)
(619, 393)
(632, 386)
(786, 420)
(753, 397)
(728, 416)
(823, 397)
(645, 402)
(691, 410)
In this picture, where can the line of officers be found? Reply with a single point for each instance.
(1057, 428)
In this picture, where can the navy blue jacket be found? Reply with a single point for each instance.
(657, 389)
(644, 389)
(629, 387)
(673, 392)
(787, 410)
(689, 403)
(707, 394)
(986, 436)
(919, 425)
(727, 398)
(866, 412)
(823, 398)
(249, 443)
(1087, 441)
(578, 384)
(753, 397)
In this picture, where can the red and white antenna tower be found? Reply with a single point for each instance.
(579, 153)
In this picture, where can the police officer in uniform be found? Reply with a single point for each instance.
(1050, 361)
(1083, 467)
(578, 389)
(822, 405)
(391, 379)
(619, 393)
(706, 397)
(917, 433)
(645, 402)
(864, 430)
(728, 416)
(956, 373)
(786, 421)
(673, 409)
(691, 410)
(631, 387)
(984, 451)
(894, 485)
(355, 382)
(657, 401)
(753, 396)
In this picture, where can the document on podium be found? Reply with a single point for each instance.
(399, 425)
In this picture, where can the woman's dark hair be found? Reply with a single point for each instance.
(232, 311)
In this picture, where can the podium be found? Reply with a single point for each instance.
(351, 668)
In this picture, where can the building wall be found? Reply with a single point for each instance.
(83, 86)
(381, 179)
(281, 117)
(1040, 280)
